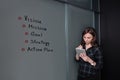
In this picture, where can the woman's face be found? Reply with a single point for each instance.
(88, 38)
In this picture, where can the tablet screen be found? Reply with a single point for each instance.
(78, 51)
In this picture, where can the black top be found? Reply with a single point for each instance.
(85, 68)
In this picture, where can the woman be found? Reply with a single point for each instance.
(90, 62)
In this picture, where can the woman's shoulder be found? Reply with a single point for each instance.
(97, 48)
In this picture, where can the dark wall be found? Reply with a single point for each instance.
(110, 38)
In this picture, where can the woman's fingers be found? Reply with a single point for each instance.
(82, 54)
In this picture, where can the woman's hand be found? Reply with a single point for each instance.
(77, 57)
(84, 57)
(87, 59)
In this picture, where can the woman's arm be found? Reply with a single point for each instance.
(98, 59)
(77, 57)
(87, 59)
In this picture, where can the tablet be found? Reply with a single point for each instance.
(78, 50)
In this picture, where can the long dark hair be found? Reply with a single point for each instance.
(92, 31)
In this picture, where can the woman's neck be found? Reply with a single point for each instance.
(87, 46)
